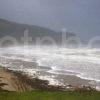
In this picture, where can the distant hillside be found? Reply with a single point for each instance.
(16, 30)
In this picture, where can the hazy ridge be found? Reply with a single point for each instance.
(8, 28)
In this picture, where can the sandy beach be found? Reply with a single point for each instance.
(11, 82)
(18, 82)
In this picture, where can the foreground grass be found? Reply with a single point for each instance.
(37, 95)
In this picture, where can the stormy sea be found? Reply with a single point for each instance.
(50, 62)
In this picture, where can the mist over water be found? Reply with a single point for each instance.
(82, 62)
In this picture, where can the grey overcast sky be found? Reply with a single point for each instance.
(79, 16)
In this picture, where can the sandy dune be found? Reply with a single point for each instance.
(11, 82)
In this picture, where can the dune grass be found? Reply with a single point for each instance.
(38, 95)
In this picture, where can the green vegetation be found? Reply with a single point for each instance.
(40, 95)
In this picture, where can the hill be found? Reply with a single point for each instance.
(16, 30)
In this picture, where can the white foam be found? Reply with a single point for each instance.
(85, 62)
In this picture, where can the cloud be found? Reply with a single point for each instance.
(79, 16)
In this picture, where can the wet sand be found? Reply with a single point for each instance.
(66, 79)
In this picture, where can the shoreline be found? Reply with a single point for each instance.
(17, 81)
(35, 66)
(30, 68)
